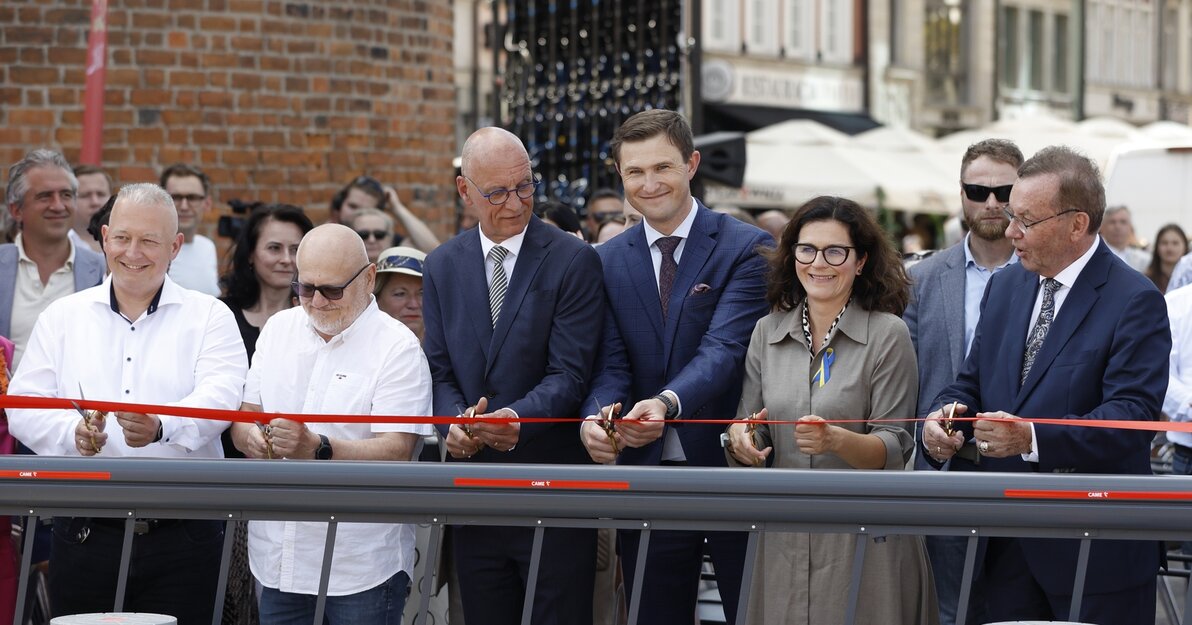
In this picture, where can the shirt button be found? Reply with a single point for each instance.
(129, 359)
(133, 328)
(126, 391)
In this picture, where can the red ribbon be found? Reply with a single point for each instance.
(53, 403)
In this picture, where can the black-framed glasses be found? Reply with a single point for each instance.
(379, 235)
(329, 292)
(498, 197)
(980, 192)
(399, 262)
(1027, 225)
(192, 198)
(834, 255)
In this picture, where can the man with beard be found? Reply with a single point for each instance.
(336, 353)
(943, 331)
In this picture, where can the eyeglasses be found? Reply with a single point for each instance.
(329, 292)
(1027, 225)
(379, 235)
(980, 193)
(498, 197)
(193, 198)
(834, 255)
(399, 262)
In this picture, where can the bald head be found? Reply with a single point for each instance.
(332, 257)
(331, 245)
(491, 143)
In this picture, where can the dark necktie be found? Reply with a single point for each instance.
(500, 284)
(1042, 325)
(666, 273)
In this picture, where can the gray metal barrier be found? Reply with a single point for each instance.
(872, 504)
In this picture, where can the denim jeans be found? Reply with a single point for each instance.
(380, 605)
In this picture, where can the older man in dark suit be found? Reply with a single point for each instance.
(511, 309)
(1070, 332)
(685, 288)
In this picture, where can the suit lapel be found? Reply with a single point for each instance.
(469, 270)
(1018, 324)
(640, 267)
(696, 251)
(952, 280)
(529, 259)
(1077, 305)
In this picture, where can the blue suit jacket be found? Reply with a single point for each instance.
(538, 359)
(698, 351)
(88, 272)
(1105, 357)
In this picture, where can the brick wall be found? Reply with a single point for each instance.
(277, 100)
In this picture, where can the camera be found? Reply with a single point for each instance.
(231, 225)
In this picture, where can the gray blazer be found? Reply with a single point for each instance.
(88, 272)
(935, 317)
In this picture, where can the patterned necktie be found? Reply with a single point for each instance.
(666, 273)
(500, 284)
(1042, 325)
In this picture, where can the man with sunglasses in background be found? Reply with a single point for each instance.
(1069, 332)
(366, 192)
(510, 309)
(196, 266)
(942, 316)
(137, 338)
(336, 354)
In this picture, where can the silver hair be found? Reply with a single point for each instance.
(145, 193)
(18, 186)
(1109, 210)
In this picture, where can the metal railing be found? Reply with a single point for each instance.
(870, 504)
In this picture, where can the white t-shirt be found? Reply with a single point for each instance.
(196, 267)
(376, 367)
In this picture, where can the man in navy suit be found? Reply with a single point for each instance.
(942, 317)
(685, 288)
(1070, 332)
(511, 309)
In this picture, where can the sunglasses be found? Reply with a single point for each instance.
(368, 182)
(379, 235)
(980, 193)
(330, 292)
(399, 262)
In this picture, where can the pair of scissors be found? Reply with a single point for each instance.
(469, 412)
(87, 415)
(949, 428)
(755, 437)
(265, 434)
(606, 422)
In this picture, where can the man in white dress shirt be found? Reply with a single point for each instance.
(336, 354)
(140, 338)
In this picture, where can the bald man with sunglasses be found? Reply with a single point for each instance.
(335, 354)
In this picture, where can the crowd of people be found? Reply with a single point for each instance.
(651, 310)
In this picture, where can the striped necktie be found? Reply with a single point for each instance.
(500, 283)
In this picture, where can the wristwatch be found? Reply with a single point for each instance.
(672, 409)
(323, 452)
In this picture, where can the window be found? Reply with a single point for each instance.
(1035, 50)
(722, 25)
(944, 56)
(1059, 70)
(761, 29)
(1008, 67)
(836, 31)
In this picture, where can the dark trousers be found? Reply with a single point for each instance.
(494, 568)
(1013, 594)
(671, 584)
(174, 569)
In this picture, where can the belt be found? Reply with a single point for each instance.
(139, 526)
(969, 452)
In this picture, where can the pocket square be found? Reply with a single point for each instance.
(700, 288)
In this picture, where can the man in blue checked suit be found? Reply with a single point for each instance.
(685, 288)
(1070, 332)
(511, 309)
